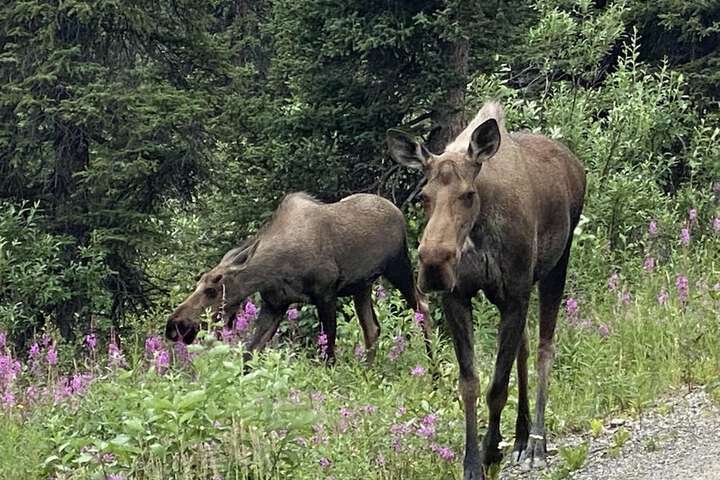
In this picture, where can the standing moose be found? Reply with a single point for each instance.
(309, 252)
(501, 211)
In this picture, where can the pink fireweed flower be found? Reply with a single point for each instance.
(681, 283)
(652, 229)
(571, 308)
(400, 429)
(115, 354)
(692, 216)
(685, 237)
(162, 361)
(152, 345)
(716, 224)
(325, 462)
(649, 264)
(115, 476)
(427, 428)
(52, 358)
(397, 348)
(182, 353)
(294, 396)
(9, 370)
(293, 314)
(80, 382)
(359, 352)
(613, 282)
(34, 351)
(626, 297)
(322, 342)
(368, 409)
(444, 453)
(418, 371)
(242, 322)
(31, 393)
(317, 397)
(250, 309)
(380, 293)
(319, 436)
(396, 445)
(8, 399)
(91, 341)
(603, 330)
(107, 458)
(663, 296)
(419, 319)
(227, 335)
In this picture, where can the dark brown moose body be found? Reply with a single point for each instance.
(501, 211)
(309, 252)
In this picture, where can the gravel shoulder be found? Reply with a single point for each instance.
(678, 438)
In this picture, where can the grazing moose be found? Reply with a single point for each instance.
(309, 252)
(501, 212)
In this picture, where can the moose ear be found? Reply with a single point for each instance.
(485, 141)
(405, 150)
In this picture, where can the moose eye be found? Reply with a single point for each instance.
(210, 292)
(467, 198)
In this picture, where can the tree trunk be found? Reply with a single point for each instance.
(448, 114)
(71, 157)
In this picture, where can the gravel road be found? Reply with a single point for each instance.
(679, 438)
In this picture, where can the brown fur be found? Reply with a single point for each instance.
(309, 252)
(501, 212)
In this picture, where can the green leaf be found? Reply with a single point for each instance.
(120, 440)
(84, 458)
(191, 399)
(134, 425)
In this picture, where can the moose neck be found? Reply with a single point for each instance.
(243, 281)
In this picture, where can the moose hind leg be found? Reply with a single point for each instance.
(551, 291)
(522, 424)
(368, 321)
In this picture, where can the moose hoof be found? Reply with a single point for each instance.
(492, 455)
(475, 473)
(534, 454)
(518, 449)
(472, 468)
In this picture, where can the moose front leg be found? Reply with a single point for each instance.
(458, 315)
(265, 327)
(512, 326)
